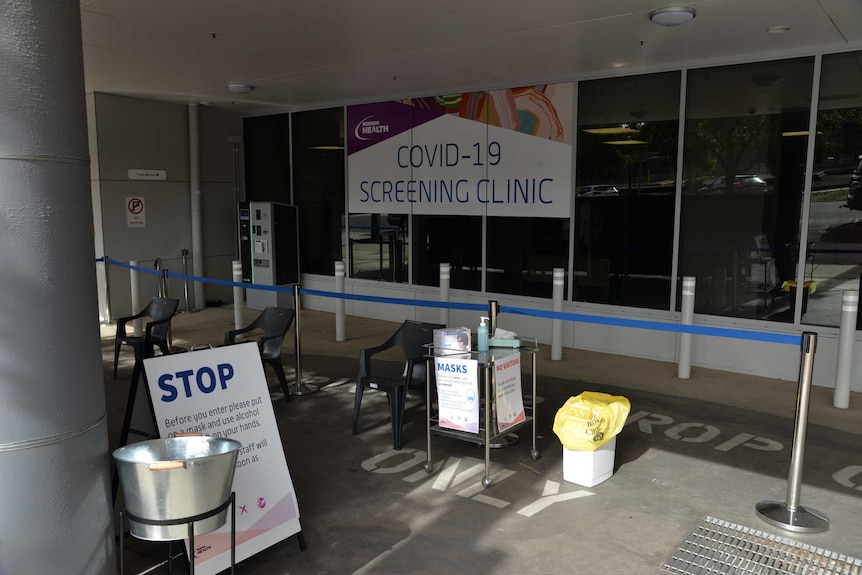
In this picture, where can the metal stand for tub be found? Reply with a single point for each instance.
(191, 523)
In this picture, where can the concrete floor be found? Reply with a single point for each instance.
(711, 446)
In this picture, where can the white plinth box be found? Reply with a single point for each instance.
(589, 468)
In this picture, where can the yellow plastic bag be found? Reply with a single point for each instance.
(587, 421)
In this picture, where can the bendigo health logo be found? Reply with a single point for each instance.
(368, 127)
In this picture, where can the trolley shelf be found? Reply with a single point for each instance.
(487, 435)
(477, 438)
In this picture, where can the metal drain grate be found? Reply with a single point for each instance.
(717, 546)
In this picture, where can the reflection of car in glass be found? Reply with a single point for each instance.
(744, 183)
(598, 190)
(854, 193)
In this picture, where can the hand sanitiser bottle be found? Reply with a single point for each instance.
(482, 332)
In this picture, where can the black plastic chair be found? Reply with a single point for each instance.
(160, 311)
(274, 323)
(411, 337)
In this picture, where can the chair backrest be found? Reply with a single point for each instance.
(274, 322)
(160, 309)
(413, 336)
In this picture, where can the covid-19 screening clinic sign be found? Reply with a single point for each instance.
(222, 392)
(435, 157)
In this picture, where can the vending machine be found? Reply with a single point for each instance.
(269, 252)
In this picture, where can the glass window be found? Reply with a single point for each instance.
(833, 259)
(318, 188)
(626, 177)
(523, 252)
(377, 247)
(456, 240)
(267, 148)
(745, 148)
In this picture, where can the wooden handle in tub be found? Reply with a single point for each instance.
(162, 465)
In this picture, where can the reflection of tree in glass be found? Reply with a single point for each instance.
(597, 162)
(641, 160)
(834, 129)
(662, 138)
(729, 146)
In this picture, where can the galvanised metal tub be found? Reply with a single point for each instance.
(174, 479)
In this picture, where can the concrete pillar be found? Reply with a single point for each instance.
(195, 190)
(54, 456)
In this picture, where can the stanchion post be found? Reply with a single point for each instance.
(445, 278)
(185, 262)
(683, 370)
(790, 515)
(237, 295)
(157, 265)
(339, 302)
(298, 388)
(493, 310)
(107, 312)
(163, 291)
(135, 282)
(557, 324)
(846, 341)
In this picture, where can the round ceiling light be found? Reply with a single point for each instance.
(237, 88)
(672, 16)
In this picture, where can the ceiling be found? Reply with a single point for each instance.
(305, 54)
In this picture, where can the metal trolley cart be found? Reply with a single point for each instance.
(487, 436)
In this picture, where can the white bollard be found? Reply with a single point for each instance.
(684, 366)
(444, 292)
(557, 324)
(237, 295)
(135, 279)
(846, 341)
(339, 302)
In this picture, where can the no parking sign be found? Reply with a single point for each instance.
(136, 213)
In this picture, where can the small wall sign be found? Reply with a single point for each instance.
(139, 174)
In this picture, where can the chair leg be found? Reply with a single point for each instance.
(357, 402)
(279, 371)
(396, 407)
(117, 345)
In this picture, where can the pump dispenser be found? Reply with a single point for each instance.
(482, 332)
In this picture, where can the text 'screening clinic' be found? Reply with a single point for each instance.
(526, 191)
